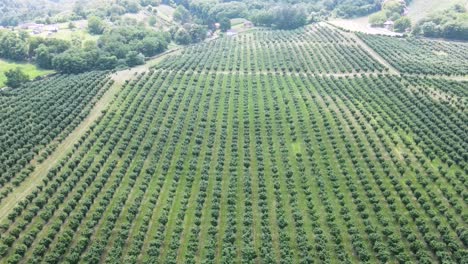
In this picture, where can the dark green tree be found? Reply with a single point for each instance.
(13, 46)
(43, 57)
(16, 77)
(181, 14)
(96, 25)
(134, 58)
(225, 24)
(402, 24)
(182, 37)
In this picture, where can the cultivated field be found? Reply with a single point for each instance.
(316, 49)
(418, 56)
(270, 147)
(35, 118)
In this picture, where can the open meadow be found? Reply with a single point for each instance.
(30, 69)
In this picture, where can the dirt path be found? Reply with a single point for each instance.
(20, 192)
(459, 78)
(372, 52)
(289, 73)
(63, 148)
(361, 24)
(361, 43)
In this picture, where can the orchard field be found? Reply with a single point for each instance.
(268, 147)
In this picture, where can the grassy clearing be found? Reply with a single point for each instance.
(70, 34)
(30, 69)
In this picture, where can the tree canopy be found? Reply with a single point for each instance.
(281, 17)
(451, 24)
(16, 77)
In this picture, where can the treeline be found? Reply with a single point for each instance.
(451, 24)
(353, 8)
(281, 17)
(120, 46)
(392, 10)
(283, 14)
(14, 12)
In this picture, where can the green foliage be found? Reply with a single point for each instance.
(151, 46)
(30, 69)
(189, 33)
(263, 18)
(181, 15)
(182, 37)
(288, 146)
(355, 8)
(110, 51)
(72, 61)
(55, 110)
(281, 17)
(13, 46)
(150, 2)
(197, 32)
(134, 58)
(96, 25)
(378, 19)
(318, 42)
(402, 24)
(225, 24)
(391, 10)
(152, 21)
(391, 7)
(450, 24)
(421, 56)
(229, 10)
(16, 77)
(119, 41)
(130, 6)
(43, 57)
(286, 17)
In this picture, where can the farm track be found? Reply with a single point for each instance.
(366, 47)
(295, 110)
(66, 146)
(374, 54)
(337, 75)
(120, 77)
(260, 164)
